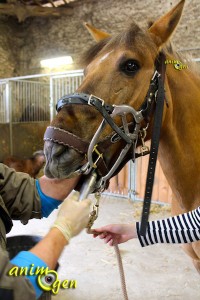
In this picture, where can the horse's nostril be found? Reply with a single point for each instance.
(53, 149)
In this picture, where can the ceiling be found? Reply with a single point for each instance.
(23, 9)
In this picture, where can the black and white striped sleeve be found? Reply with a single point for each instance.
(179, 229)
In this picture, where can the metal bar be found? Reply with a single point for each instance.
(69, 73)
(9, 103)
(51, 104)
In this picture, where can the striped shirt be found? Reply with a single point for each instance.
(179, 229)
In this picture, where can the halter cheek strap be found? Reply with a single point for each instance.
(154, 144)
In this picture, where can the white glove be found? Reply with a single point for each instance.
(73, 216)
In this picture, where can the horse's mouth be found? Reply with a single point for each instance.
(51, 172)
(61, 161)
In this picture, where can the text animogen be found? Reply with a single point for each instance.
(46, 279)
(178, 65)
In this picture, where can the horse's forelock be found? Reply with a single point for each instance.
(91, 53)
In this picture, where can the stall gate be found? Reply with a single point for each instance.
(4, 109)
(23, 101)
(32, 99)
(61, 85)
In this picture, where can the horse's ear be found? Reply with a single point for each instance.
(97, 34)
(162, 29)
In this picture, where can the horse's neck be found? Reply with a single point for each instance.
(179, 151)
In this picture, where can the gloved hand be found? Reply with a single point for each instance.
(73, 216)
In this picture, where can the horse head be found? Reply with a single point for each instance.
(118, 71)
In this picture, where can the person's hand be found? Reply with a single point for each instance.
(73, 216)
(116, 233)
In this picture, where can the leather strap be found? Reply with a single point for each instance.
(66, 138)
(81, 98)
(148, 105)
(154, 147)
(104, 109)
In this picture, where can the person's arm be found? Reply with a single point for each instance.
(52, 192)
(13, 286)
(72, 217)
(26, 198)
(44, 255)
(58, 189)
(183, 228)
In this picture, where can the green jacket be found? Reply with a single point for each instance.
(19, 200)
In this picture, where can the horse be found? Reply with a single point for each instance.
(31, 165)
(118, 71)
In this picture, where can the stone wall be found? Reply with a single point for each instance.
(8, 47)
(26, 139)
(23, 45)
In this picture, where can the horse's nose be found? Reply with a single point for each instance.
(55, 151)
(61, 153)
(61, 161)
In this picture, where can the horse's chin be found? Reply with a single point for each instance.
(57, 172)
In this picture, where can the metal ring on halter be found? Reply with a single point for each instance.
(90, 98)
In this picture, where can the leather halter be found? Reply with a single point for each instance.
(145, 112)
(129, 133)
(68, 139)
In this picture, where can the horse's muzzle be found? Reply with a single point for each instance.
(61, 161)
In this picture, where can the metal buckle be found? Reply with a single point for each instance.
(90, 98)
(156, 74)
(144, 148)
(100, 155)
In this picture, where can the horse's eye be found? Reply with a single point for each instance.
(130, 67)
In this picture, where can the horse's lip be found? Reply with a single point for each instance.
(51, 173)
(72, 175)
(51, 176)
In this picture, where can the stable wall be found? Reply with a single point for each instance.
(9, 49)
(26, 138)
(23, 45)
